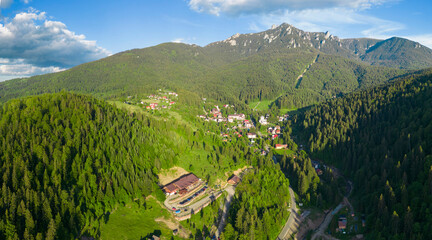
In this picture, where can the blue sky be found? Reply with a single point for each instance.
(42, 36)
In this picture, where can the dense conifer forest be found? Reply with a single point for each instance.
(381, 139)
(67, 160)
(259, 206)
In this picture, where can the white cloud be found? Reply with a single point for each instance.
(5, 3)
(178, 40)
(20, 68)
(340, 17)
(42, 45)
(188, 40)
(238, 7)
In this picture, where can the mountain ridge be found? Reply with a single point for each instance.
(362, 49)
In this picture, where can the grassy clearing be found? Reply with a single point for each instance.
(160, 114)
(263, 105)
(288, 152)
(254, 104)
(152, 101)
(288, 110)
(128, 107)
(134, 222)
(196, 161)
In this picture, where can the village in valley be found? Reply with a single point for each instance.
(257, 130)
(264, 132)
(163, 99)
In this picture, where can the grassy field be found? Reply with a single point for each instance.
(288, 110)
(164, 113)
(196, 162)
(134, 222)
(284, 151)
(128, 107)
(262, 106)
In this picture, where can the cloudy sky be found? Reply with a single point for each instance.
(43, 36)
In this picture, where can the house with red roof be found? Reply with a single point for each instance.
(281, 146)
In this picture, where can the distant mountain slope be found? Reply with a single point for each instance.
(196, 72)
(399, 53)
(359, 45)
(393, 52)
(133, 71)
(284, 38)
(245, 67)
(332, 76)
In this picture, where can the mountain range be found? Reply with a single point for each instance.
(393, 52)
(283, 62)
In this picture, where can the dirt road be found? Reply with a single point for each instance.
(324, 225)
(320, 234)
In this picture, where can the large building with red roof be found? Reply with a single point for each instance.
(186, 182)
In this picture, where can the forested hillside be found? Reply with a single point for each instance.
(258, 209)
(332, 76)
(244, 68)
(191, 70)
(410, 55)
(67, 159)
(381, 139)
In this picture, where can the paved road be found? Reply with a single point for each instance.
(290, 226)
(231, 191)
(194, 207)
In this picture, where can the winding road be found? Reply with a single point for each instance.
(293, 220)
